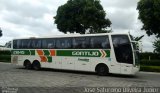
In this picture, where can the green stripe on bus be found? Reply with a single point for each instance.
(20, 52)
(107, 52)
(23, 52)
(49, 59)
(32, 52)
(63, 53)
(83, 53)
(75, 53)
(46, 52)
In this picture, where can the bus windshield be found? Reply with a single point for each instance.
(122, 48)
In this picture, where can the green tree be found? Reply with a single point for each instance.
(0, 32)
(156, 45)
(138, 38)
(81, 16)
(149, 14)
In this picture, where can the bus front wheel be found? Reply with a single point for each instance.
(102, 70)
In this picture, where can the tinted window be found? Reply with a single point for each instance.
(33, 43)
(122, 48)
(48, 43)
(99, 42)
(15, 45)
(90, 42)
(63, 43)
(26, 44)
(80, 43)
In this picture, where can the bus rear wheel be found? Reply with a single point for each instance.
(102, 70)
(36, 65)
(27, 64)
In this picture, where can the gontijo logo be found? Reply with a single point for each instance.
(20, 52)
(85, 53)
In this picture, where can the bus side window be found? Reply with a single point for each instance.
(44, 43)
(104, 44)
(67, 43)
(35, 44)
(38, 43)
(51, 43)
(74, 43)
(99, 42)
(83, 44)
(16, 44)
(48, 43)
(80, 43)
(19, 44)
(58, 44)
(29, 44)
(91, 42)
(63, 43)
(25, 44)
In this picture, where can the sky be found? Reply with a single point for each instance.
(34, 18)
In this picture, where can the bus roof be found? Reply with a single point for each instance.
(74, 35)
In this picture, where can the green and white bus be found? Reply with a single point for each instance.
(101, 53)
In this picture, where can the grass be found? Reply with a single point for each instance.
(5, 58)
(150, 63)
(150, 68)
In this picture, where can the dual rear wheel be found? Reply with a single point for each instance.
(27, 64)
(35, 65)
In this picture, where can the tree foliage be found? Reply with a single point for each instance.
(149, 14)
(156, 45)
(138, 38)
(81, 15)
(0, 32)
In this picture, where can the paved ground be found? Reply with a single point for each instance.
(15, 76)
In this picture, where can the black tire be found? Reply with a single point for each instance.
(102, 70)
(27, 64)
(36, 65)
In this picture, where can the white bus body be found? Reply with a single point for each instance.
(101, 53)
